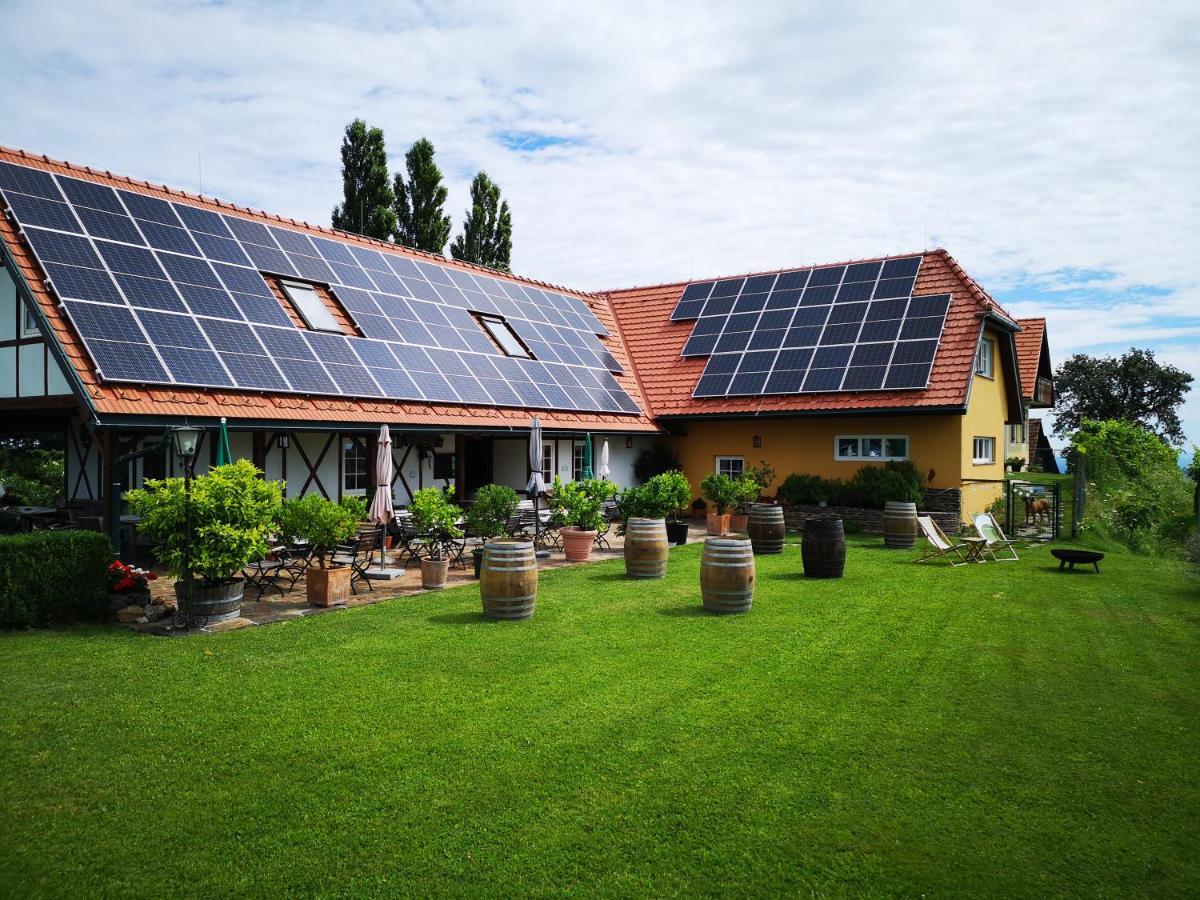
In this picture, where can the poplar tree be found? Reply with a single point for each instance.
(487, 229)
(421, 220)
(366, 208)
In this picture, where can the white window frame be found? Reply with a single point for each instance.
(1011, 433)
(733, 466)
(29, 327)
(985, 357)
(577, 460)
(312, 309)
(351, 447)
(548, 462)
(983, 450)
(863, 455)
(504, 337)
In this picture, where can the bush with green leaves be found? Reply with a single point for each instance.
(320, 523)
(31, 476)
(746, 491)
(494, 505)
(763, 474)
(872, 487)
(720, 490)
(435, 519)
(577, 504)
(53, 577)
(234, 511)
(355, 505)
(661, 496)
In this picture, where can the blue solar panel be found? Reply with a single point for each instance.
(172, 262)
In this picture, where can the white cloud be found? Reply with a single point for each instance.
(1050, 145)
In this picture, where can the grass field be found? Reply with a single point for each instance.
(998, 729)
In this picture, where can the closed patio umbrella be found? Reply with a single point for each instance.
(537, 485)
(381, 510)
(224, 453)
(603, 471)
(587, 455)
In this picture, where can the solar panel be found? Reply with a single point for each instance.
(171, 293)
(830, 328)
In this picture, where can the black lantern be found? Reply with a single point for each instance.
(757, 440)
(186, 439)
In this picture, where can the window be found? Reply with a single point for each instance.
(870, 446)
(29, 326)
(311, 307)
(548, 462)
(1016, 435)
(354, 468)
(505, 338)
(577, 461)
(984, 451)
(732, 466)
(983, 357)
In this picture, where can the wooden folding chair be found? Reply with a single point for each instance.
(939, 545)
(994, 539)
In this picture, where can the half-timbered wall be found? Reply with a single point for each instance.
(27, 368)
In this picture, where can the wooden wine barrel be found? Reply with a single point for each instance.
(727, 575)
(767, 528)
(646, 548)
(211, 603)
(824, 548)
(508, 579)
(899, 525)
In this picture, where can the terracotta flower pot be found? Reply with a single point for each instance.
(739, 522)
(718, 524)
(433, 573)
(577, 543)
(327, 587)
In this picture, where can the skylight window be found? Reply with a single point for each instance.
(310, 306)
(505, 338)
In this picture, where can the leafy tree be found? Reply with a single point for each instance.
(1133, 388)
(487, 229)
(421, 221)
(367, 205)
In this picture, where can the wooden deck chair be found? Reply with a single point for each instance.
(939, 544)
(994, 539)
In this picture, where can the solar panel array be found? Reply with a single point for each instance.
(168, 293)
(835, 328)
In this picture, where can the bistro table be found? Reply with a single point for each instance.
(975, 547)
(31, 514)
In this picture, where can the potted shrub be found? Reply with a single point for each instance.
(658, 498)
(576, 506)
(488, 516)
(721, 492)
(322, 524)
(435, 519)
(233, 512)
(1014, 463)
(746, 491)
(129, 592)
(699, 509)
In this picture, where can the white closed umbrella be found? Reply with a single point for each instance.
(381, 510)
(537, 484)
(602, 470)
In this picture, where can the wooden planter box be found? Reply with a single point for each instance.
(328, 587)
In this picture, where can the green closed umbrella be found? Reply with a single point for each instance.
(224, 453)
(587, 455)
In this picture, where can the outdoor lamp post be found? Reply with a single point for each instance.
(186, 439)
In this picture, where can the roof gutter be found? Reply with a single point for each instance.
(948, 409)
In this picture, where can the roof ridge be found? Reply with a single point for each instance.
(973, 287)
(275, 217)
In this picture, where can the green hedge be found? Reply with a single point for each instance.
(871, 487)
(53, 577)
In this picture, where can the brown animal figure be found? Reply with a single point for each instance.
(1040, 509)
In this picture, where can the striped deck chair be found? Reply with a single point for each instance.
(938, 544)
(994, 539)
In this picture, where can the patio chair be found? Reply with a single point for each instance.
(263, 574)
(939, 545)
(356, 554)
(994, 539)
(612, 513)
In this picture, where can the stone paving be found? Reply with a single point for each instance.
(277, 607)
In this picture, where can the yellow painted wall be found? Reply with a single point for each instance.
(807, 445)
(987, 410)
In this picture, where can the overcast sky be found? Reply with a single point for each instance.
(1051, 149)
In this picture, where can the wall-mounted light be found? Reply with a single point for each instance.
(629, 443)
(757, 440)
(283, 441)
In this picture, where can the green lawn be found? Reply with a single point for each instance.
(998, 730)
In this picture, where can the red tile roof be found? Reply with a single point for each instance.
(1029, 352)
(667, 379)
(109, 399)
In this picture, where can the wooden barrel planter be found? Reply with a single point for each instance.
(508, 579)
(899, 525)
(211, 603)
(766, 528)
(727, 575)
(645, 548)
(824, 547)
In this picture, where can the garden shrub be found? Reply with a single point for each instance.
(53, 577)
(872, 487)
